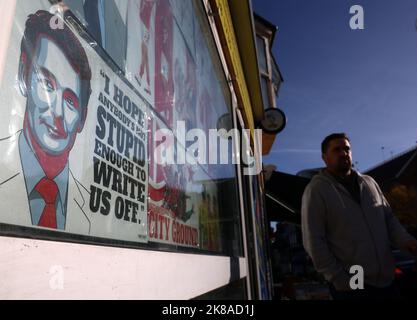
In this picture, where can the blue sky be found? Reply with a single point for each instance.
(362, 82)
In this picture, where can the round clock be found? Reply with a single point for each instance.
(274, 121)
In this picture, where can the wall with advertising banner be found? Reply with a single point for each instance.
(73, 135)
(84, 104)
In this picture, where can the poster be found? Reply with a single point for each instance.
(73, 138)
(172, 214)
(90, 130)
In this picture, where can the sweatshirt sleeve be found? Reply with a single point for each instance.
(313, 224)
(397, 233)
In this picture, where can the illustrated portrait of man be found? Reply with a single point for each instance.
(37, 186)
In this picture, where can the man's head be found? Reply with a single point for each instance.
(336, 153)
(54, 75)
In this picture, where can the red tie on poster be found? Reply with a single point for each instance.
(48, 189)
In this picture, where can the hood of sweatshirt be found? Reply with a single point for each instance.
(339, 189)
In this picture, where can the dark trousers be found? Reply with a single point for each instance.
(368, 293)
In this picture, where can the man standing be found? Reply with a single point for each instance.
(346, 221)
(36, 184)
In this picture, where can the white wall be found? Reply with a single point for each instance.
(37, 269)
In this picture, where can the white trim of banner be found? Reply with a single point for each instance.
(7, 9)
(40, 269)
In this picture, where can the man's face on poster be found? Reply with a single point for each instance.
(54, 103)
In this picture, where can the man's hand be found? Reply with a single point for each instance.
(412, 247)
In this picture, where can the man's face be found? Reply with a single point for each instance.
(338, 156)
(54, 99)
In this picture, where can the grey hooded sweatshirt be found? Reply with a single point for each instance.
(338, 232)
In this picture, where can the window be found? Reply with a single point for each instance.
(142, 66)
(268, 93)
(262, 57)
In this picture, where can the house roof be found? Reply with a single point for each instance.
(283, 194)
(394, 168)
